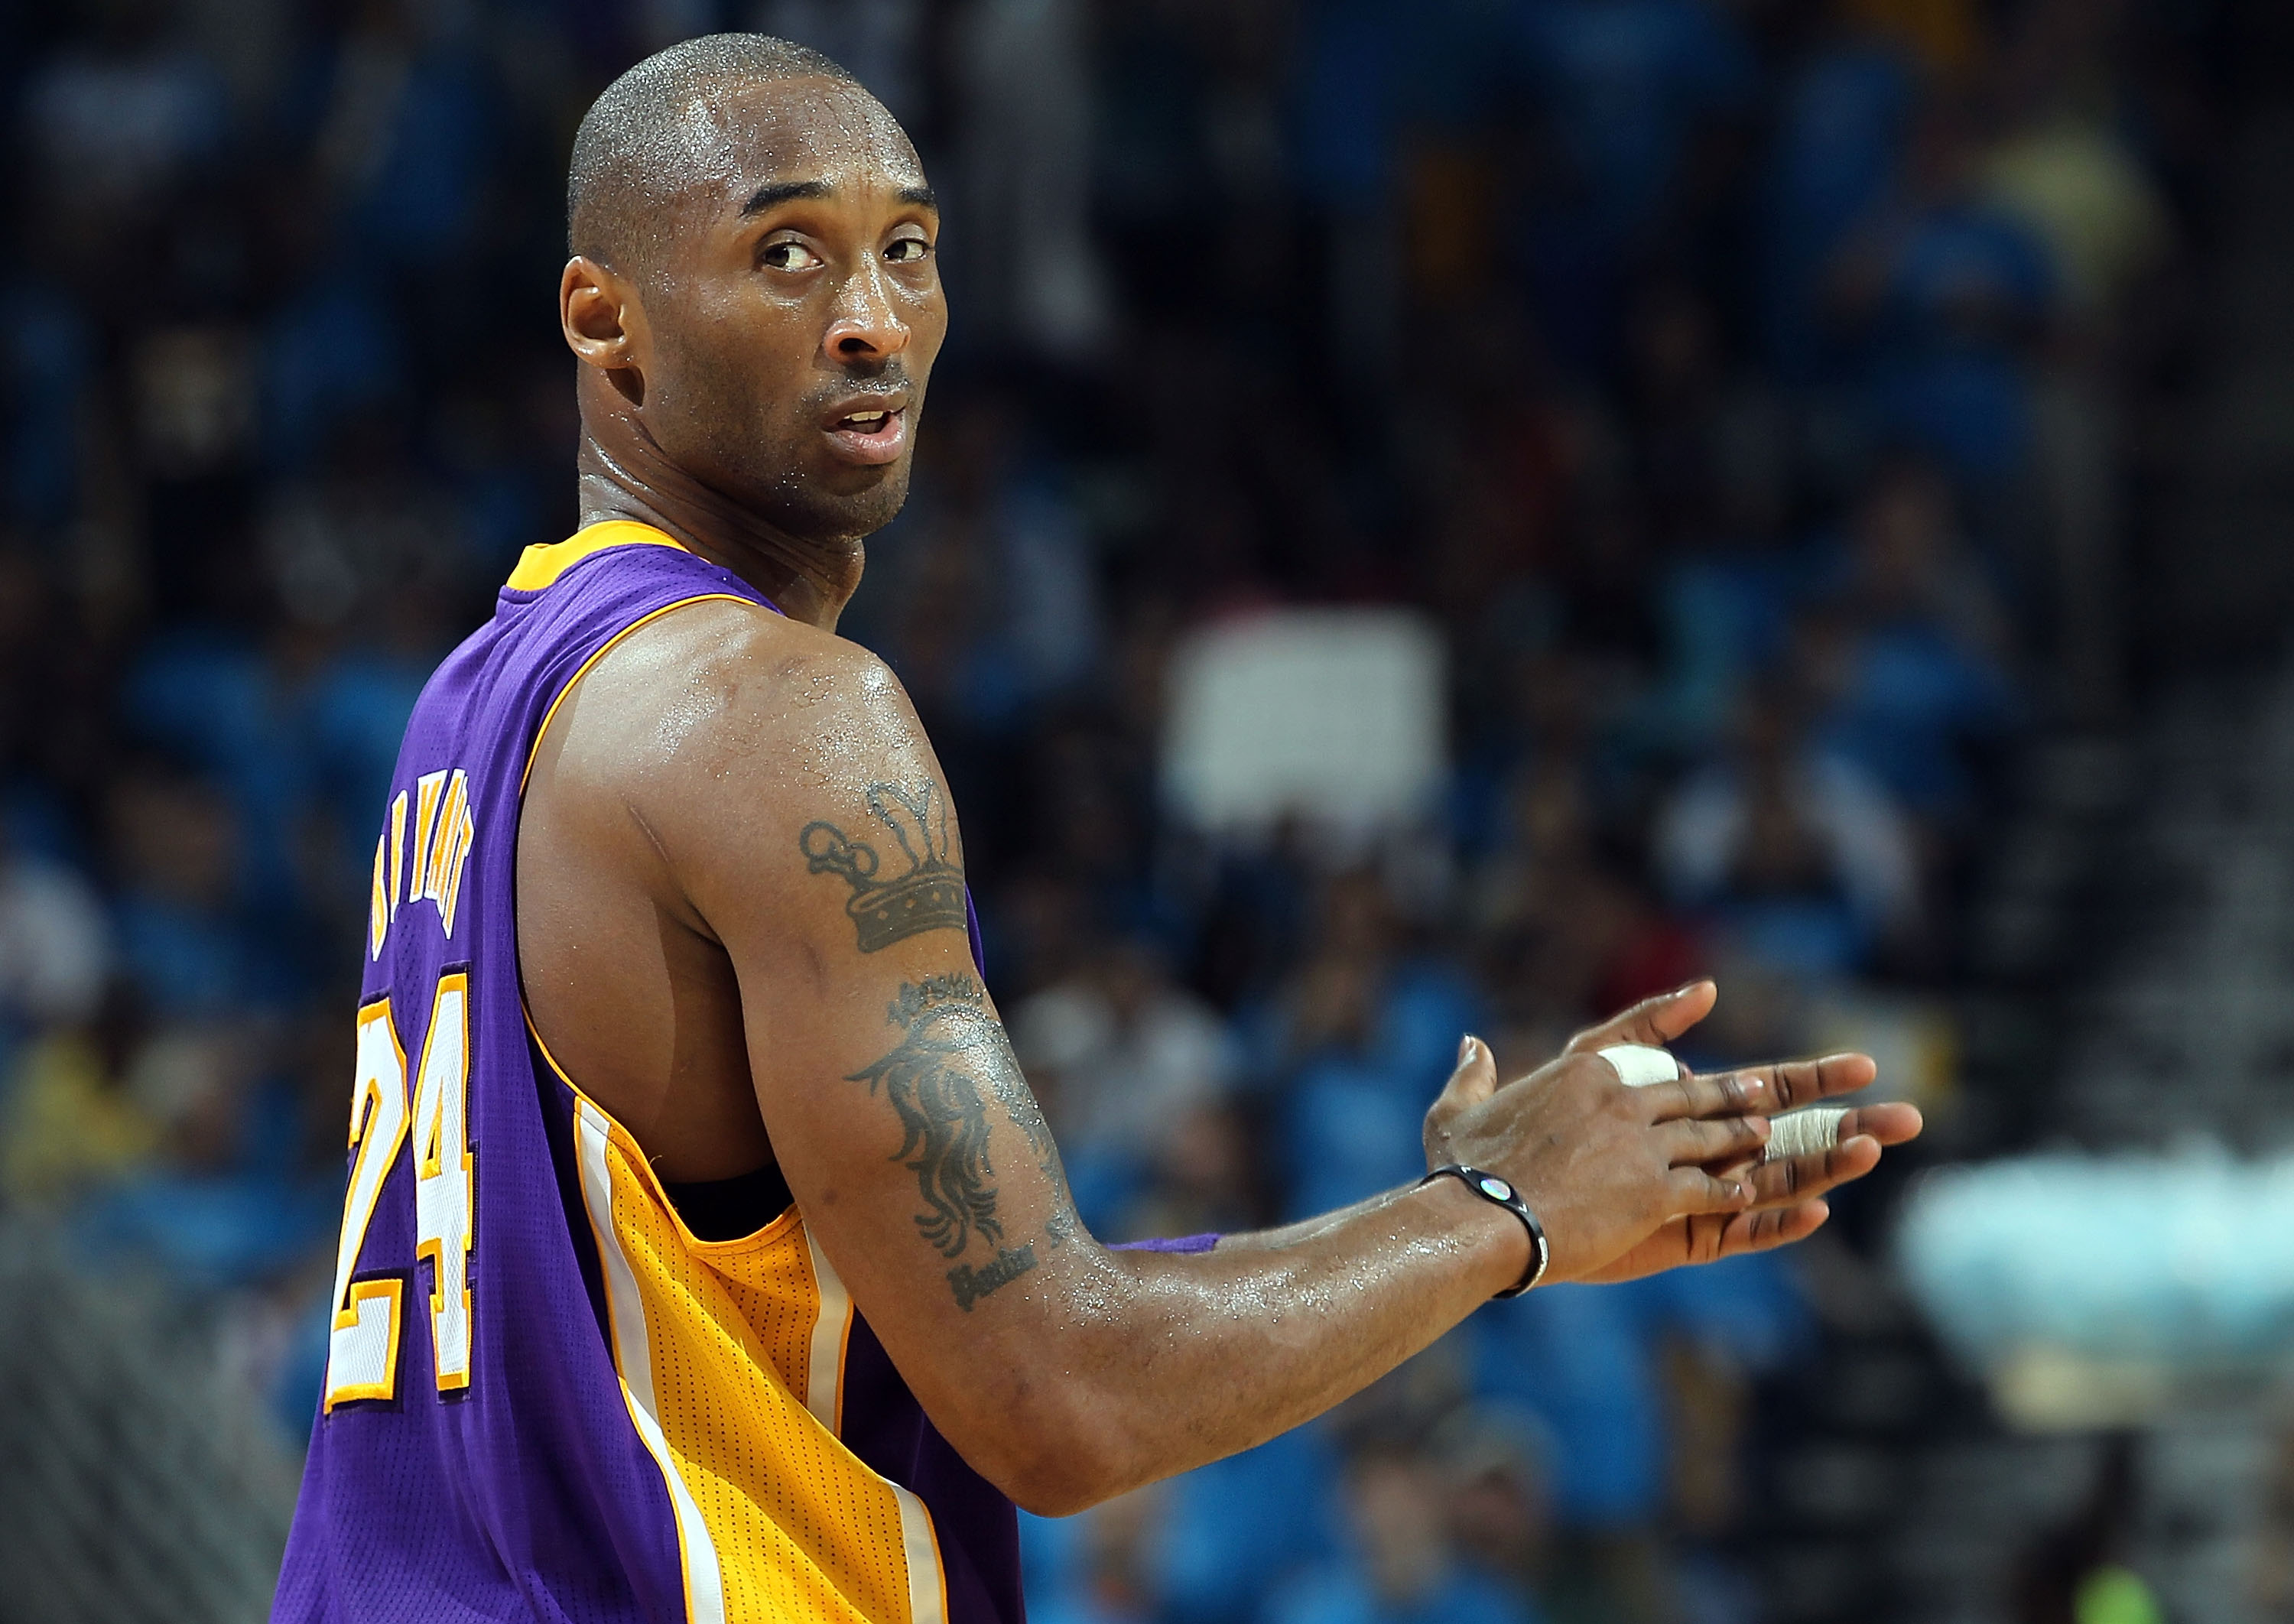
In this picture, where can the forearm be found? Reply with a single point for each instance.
(1159, 1363)
(928, 1176)
(1307, 1229)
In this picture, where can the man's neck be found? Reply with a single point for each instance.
(625, 474)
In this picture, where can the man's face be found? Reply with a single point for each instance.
(796, 310)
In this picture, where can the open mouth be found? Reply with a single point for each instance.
(872, 433)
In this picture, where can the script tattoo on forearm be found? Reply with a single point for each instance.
(929, 895)
(953, 1059)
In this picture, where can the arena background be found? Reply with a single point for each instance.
(1435, 517)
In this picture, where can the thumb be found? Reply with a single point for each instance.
(1475, 1078)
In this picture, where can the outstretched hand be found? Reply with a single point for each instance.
(1713, 1126)
(1788, 1201)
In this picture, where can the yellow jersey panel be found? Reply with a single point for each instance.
(798, 1527)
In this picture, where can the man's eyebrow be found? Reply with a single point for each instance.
(773, 193)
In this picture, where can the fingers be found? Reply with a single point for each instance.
(1731, 1094)
(1689, 1141)
(1692, 1191)
(1763, 1230)
(1798, 1179)
(1783, 1086)
(1710, 1237)
(1655, 1021)
(1793, 1180)
(1891, 1124)
(1792, 1084)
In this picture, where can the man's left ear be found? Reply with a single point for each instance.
(595, 307)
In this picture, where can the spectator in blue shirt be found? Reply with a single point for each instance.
(1401, 1567)
(1367, 1032)
(1841, 133)
(1628, 85)
(182, 934)
(1906, 662)
(1947, 294)
(1625, 89)
(1801, 856)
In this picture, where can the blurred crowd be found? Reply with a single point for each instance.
(1742, 386)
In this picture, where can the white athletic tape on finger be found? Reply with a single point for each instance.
(1803, 1132)
(1639, 1065)
(1796, 1134)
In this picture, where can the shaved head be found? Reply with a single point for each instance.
(654, 135)
(754, 293)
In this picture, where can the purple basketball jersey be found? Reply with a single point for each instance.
(516, 1423)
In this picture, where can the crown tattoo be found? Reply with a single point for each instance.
(928, 897)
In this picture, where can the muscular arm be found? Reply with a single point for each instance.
(802, 823)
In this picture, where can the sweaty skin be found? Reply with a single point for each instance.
(740, 922)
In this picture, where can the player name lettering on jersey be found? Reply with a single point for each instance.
(543, 1396)
(419, 855)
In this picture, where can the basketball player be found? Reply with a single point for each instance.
(705, 1255)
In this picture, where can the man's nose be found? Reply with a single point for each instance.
(864, 326)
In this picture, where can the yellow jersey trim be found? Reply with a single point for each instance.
(631, 1340)
(541, 565)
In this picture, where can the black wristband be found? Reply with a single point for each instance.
(1501, 1192)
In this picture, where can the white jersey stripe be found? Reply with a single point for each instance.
(825, 1398)
(823, 1379)
(705, 1584)
(927, 1584)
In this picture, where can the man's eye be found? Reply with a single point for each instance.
(788, 256)
(908, 250)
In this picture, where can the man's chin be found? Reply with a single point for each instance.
(838, 502)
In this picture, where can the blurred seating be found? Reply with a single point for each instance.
(1435, 518)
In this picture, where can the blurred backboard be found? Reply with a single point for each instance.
(1335, 716)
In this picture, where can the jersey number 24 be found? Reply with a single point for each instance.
(362, 1347)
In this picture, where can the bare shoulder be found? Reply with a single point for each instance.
(721, 691)
(727, 733)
